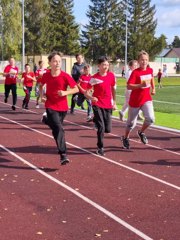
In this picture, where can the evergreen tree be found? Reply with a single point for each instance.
(64, 32)
(36, 26)
(11, 29)
(176, 42)
(141, 29)
(104, 35)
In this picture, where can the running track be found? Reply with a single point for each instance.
(126, 195)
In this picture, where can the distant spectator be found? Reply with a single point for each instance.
(123, 71)
(164, 70)
(159, 76)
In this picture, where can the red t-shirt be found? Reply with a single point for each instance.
(12, 74)
(39, 73)
(28, 82)
(141, 95)
(102, 86)
(53, 85)
(84, 81)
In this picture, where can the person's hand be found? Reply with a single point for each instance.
(61, 93)
(94, 99)
(153, 92)
(115, 107)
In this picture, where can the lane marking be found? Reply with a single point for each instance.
(82, 197)
(102, 157)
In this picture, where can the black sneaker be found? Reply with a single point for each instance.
(26, 107)
(100, 151)
(64, 159)
(125, 142)
(142, 136)
(13, 108)
(5, 100)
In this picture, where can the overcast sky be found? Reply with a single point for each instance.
(167, 15)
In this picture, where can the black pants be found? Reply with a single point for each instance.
(55, 121)
(73, 102)
(27, 97)
(13, 89)
(102, 119)
(81, 99)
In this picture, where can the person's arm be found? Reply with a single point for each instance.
(73, 90)
(88, 95)
(153, 92)
(113, 90)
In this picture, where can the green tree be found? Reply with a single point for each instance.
(36, 26)
(64, 32)
(141, 29)
(11, 29)
(176, 42)
(104, 34)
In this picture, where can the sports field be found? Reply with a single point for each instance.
(166, 101)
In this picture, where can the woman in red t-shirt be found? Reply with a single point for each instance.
(140, 82)
(28, 78)
(57, 82)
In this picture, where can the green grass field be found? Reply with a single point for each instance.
(166, 101)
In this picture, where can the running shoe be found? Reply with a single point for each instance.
(64, 159)
(13, 107)
(89, 119)
(142, 136)
(5, 100)
(37, 106)
(44, 118)
(100, 152)
(125, 142)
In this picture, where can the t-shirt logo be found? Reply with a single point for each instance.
(146, 78)
(95, 81)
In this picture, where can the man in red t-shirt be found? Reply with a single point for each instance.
(103, 85)
(140, 82)
(11, 74)
(28, 78)
(56, 103)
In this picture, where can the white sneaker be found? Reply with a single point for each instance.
(37, 106)
(89, 119)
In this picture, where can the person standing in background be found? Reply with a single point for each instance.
(76, 72)
(11, 75)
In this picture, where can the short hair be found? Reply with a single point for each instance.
(40, 62)
(102, 59)
(86, 66)
(130, 63)
(78, 54)
(141, 53)
(27, 64)
(54, 53)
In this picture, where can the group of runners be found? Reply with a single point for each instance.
(99, 90)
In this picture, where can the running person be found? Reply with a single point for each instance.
(56, 103)
(133, 64)
(39, 73)
(76, 72)
(28, 78)
(140, 82)
(103, 100)
(11, 75)
(82, 85)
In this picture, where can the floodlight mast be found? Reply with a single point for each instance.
(23, 41)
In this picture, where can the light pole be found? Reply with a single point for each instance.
(23, 42)
(1, 17)
(126, 37)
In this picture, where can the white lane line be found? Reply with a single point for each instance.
(102, 157)
(85, 199)
(132, 140)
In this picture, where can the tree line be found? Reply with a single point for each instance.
(50, 25)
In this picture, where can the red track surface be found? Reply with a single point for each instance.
(126, 195)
